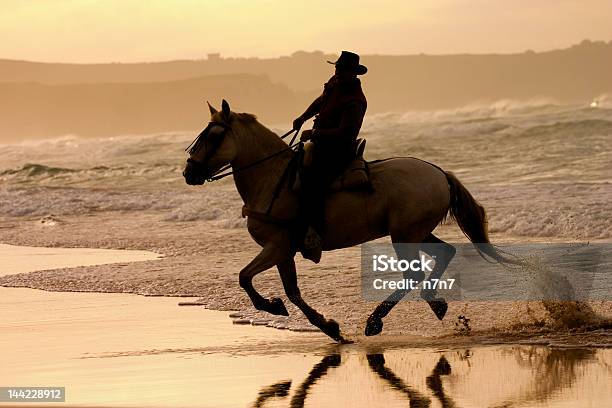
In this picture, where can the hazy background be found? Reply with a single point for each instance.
(136, 31)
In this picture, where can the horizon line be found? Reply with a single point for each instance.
(220, 57)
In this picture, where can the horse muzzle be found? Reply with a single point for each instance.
(194, 176)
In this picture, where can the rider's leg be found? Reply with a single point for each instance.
(324, 169)
(312, 205)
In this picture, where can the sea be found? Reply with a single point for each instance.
(540, 168)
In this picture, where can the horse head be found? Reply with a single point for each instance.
(213, 149)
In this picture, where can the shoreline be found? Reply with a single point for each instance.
(596, 337)
(202, 260)
(580, 339)
(107, 346)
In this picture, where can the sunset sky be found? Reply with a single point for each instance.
(136, 30)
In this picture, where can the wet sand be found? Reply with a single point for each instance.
(20, 259)
(202, 259)
(124, 350)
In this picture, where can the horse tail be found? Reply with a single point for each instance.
(472, 219)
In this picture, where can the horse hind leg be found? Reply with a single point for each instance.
(407, 251)
(443, 253)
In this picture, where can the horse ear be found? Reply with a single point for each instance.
(225, 108)
(211, 109)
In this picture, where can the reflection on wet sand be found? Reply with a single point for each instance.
(280, 389)
(434, 382)
(377, 364)
(557, 370)
(554, 376)
(119, 350)
(318, 371)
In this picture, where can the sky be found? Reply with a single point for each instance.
(153, 30)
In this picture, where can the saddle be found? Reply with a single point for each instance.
(355, 177)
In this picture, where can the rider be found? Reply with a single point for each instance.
(340, 111)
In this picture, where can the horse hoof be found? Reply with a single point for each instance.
(376, 360)
(332, 360)
(373, 327)
(332, 329)
(439, 307)
(277, 307)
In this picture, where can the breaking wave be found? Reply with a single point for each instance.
(585, 127)
(35, 170)
(540, 168)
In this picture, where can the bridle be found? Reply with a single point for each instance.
(204, 139)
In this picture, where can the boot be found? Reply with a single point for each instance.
(312, 246)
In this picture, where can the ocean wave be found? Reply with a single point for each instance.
(508, 107)
(540, 168)
(603, 101)
(127, 176)
(571, 211)
(221, 204)
(575, 128)
(507, 118)
(36, 170)
(477, 110)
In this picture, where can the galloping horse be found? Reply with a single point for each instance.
(410, 197)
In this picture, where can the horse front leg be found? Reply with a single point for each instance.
(269, 256)
(377, 364)
(288, 275)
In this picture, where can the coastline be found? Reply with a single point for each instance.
(203, 261)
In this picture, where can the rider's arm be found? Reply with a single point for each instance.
(352, 117)
(313, 109)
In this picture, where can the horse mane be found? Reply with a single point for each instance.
(247, 117)
(250, 119)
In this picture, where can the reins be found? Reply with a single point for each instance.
(218, 175)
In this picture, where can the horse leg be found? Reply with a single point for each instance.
(377, 364)
(319, 370)
(443, 253)
(405, 251)
(269, 256)
(288, 275)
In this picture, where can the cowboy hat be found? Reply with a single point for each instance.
(350, 60)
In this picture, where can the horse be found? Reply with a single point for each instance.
(408, 199)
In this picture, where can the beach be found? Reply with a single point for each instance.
(539, 169)
(129, 350)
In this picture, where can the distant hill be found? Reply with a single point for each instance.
(44, 99)
(574, 75)
(33, 110)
